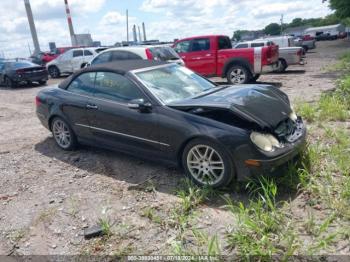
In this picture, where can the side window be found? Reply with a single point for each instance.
(224, 43)
(87, 53)
(257, 44)
(242, 46)
(83, 84)
(77, 53)
(124, 55)
(116, 87)
(200, 44)
(182, 47)
(102, 58)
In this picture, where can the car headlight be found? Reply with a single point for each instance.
(266, 142)
(293, 115)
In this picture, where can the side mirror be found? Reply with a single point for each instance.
(140, 104)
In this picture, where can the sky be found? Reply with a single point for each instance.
(164, 19)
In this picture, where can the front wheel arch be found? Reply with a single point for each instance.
(230, 174)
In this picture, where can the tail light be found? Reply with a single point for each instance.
(149, 54)
(37, 101)
(20, 71)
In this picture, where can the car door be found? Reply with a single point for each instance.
(2, 69)
(88, 55)
(78, 57)
(76, 99)
(116, 125)
(201, 57)
(183, 49)
(65, 62)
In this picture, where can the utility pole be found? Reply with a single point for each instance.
(140, 39)
(281, 24)
(134, 34)
(32, 27)
(127, 26)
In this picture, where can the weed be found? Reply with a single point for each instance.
(149, 212)
(307, 111)
(332, 108)
(106, 226)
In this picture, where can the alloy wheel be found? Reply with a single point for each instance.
(205, 164)
(61, 133)
(54, 72)
(238, 76)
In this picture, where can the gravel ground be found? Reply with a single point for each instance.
(48, 196)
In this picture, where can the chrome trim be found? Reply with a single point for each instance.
(121, 134)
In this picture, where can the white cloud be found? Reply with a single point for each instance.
(165, 20)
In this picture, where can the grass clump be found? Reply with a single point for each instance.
(263, 228)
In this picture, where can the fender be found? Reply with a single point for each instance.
(236, 61)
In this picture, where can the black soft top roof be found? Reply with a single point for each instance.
(119, 67)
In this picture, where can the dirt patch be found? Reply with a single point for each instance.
(48, 197)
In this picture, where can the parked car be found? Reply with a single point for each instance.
(213, 55)
(167, 112)
(72, 60)
(159, 53)
(287, 55)
(307, 42)
(15, 72)
(325, 37)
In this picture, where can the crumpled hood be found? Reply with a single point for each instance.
(263, 104)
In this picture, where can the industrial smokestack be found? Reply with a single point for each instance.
(127, 26)
(32, 27)
(140, 39)
(70, 24)
(134, 33)
(144, 31)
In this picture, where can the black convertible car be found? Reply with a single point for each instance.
(167, 112)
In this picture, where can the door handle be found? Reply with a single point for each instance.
(90, 106)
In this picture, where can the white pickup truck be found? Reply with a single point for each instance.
(288, 54)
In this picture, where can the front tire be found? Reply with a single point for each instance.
(206, 163)
(9, 82)
(54, 72)
(63, 134)
(238, 74)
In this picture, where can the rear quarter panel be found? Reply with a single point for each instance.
(226, 55)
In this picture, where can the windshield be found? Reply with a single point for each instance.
(23, 64)
(174, 83)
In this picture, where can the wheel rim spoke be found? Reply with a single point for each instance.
(61, 134)
(205, 164)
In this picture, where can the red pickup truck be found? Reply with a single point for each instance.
(213, 55)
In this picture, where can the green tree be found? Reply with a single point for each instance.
(341, 7)
(272, 29)
(237, 35)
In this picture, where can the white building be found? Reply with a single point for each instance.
(331, 30)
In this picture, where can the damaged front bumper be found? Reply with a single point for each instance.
(265, 163)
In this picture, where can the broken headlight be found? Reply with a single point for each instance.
(266, 142)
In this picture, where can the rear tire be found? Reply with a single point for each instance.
(54, 72)
(256, 77)
(238, 74)
(63, 134)
(9, 82)
(282, 65)
(207, 163)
